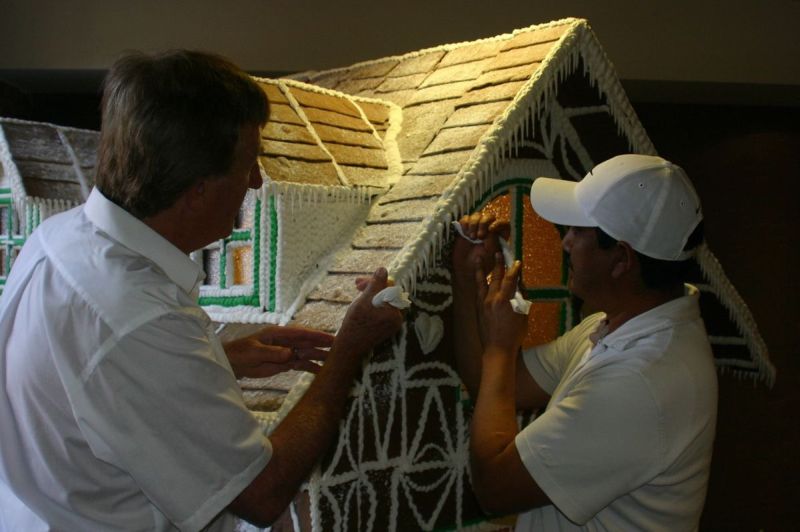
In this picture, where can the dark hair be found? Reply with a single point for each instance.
(170, 120)
(659, 274)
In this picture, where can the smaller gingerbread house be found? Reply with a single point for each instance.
(44, 169)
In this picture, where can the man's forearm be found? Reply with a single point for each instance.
(466, 338)
(301, 438)
(494, 421)
(501, 482)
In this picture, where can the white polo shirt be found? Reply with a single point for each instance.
(625, 442)
(119, 409)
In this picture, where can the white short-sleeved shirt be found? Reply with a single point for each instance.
(119, 409)
(625, 442)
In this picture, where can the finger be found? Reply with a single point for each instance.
(256, 354)
(474, 222)
(296, 337)
(501, 228)
(510, 279)
(377, 282)
(361, 283)
(483, 225)
(306, 365)
(309, 353)
(498, 272)
(480, 283)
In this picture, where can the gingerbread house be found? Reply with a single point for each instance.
(367, 166)
(479, 121)
(44, 169)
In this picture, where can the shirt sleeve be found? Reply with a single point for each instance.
(599, 442)
(547, 363)
(163, 405)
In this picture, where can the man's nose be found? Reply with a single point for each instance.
(255, 178)
(566, 242)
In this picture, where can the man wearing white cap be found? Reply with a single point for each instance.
(629, 394)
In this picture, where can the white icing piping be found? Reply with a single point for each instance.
(76, 164)
(389, 142)
(328, 92)
(391, 149)
(243, 315)
(738, 312)
(305, 194)
(36, 210)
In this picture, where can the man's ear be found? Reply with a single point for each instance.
(625, 260)
(196, 195)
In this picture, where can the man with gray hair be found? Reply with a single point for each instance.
(120, 408)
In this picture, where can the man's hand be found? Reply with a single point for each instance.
(275, 349)
(365, 325)
(501, 327)
(309, 428)
(481, 226)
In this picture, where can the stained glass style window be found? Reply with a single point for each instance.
(232, 264)
(537, 243)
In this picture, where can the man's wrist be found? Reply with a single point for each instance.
(499, 350)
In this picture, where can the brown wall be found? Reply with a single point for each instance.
(745, 162)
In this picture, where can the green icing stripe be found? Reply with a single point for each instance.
(257, 252)
(241, 234)
(273, 251)
(223, 258)
(547, 294)
(229, 301)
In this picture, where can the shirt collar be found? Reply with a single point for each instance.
(665, 316)
(135, 235)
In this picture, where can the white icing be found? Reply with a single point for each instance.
(430, 330)
(392, 295)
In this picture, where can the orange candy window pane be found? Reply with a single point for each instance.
(542, 266)
(544, 322)
(242, 265)
(542, 255)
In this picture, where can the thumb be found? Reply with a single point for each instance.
(377, 282)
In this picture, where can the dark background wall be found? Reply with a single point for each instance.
(716, 86)
(745, 162)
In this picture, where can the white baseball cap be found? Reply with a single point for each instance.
(643, 200)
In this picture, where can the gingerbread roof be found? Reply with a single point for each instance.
(46, 161)
(316, 136)
(471, 111)
(463, 105)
